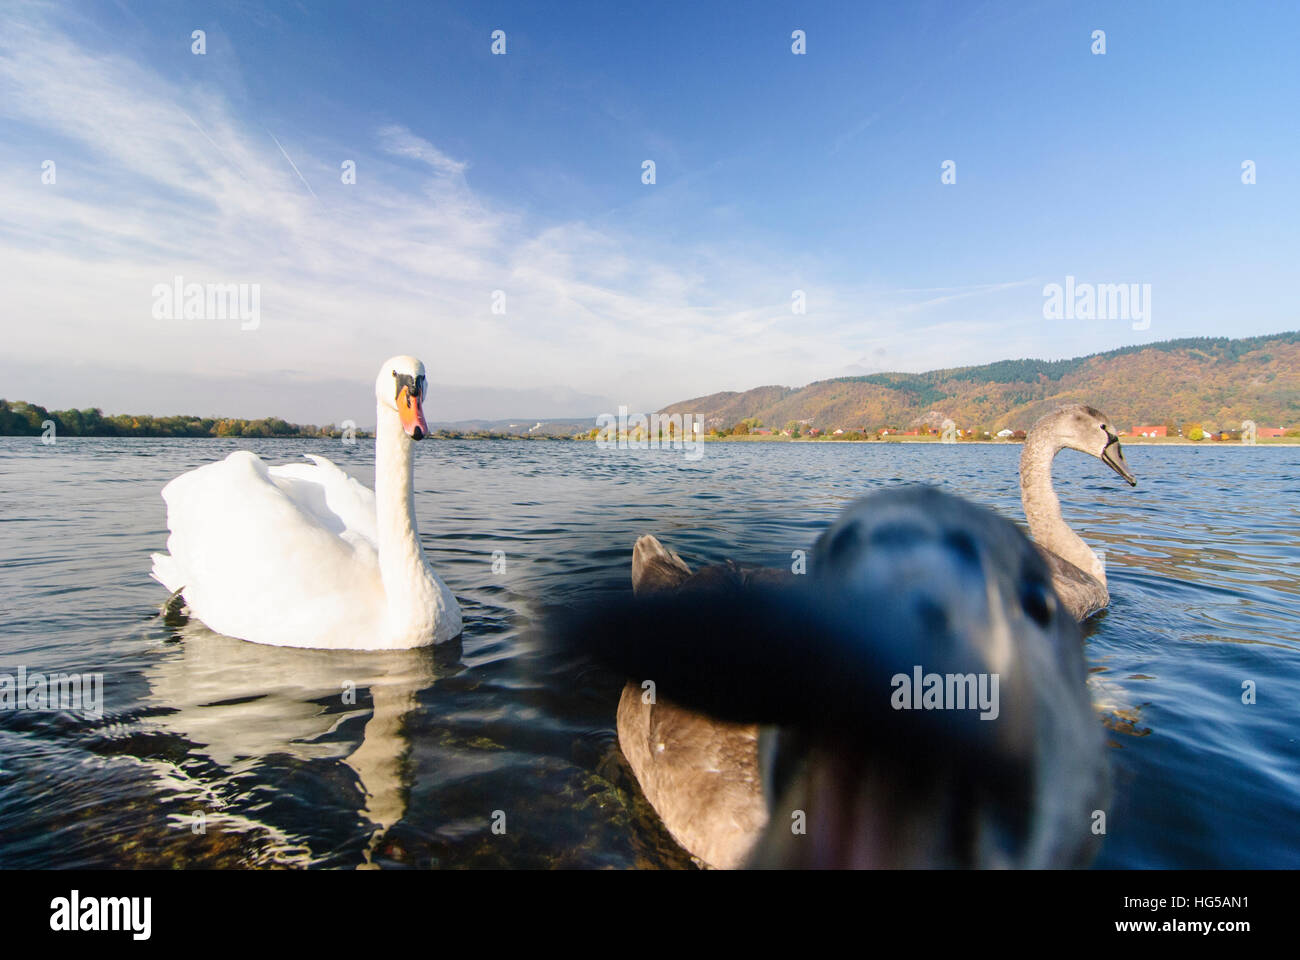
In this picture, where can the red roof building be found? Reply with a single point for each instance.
(1149, 432)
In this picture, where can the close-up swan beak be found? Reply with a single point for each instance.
(1113, 457)
(411, 412)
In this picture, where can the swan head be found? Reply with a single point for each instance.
(1089, 431)
(401, 387)
(1002, 768)
(950, 590)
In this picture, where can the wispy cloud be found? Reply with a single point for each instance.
(400, 142)
(159, 177)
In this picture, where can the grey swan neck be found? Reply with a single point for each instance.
(1043, 509)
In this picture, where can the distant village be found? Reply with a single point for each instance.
(929, 428)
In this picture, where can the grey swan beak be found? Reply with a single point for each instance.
(1113, 457)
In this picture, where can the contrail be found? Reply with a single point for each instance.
(196, 126)
(295, 167)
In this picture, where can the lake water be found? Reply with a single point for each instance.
(216, 752)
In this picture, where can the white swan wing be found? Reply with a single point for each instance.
(261, 554)
(335, 499)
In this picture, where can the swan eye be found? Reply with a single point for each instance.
(1037, 602)
(414, 385)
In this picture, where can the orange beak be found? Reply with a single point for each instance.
(411, 412)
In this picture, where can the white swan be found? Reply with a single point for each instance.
(305, 556)
(1077, 572)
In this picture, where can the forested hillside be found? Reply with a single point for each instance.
(1215, 382)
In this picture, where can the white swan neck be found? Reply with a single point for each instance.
(402, 563)
(1043, 508)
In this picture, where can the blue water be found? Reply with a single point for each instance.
(215, 752)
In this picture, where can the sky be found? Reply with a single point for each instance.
(499, 226)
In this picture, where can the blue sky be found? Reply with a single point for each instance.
(522, 173)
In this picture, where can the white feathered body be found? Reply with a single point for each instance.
(289, 556)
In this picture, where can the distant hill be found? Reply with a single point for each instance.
(1217, 382)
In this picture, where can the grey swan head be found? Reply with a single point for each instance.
(1077, 572)
(771, 720)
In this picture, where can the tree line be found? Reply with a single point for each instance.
(18, 418)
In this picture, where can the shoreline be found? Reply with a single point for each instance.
(1278, 441)
(436, 435)
(1128, 442)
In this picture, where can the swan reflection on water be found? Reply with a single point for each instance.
(237, 702)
